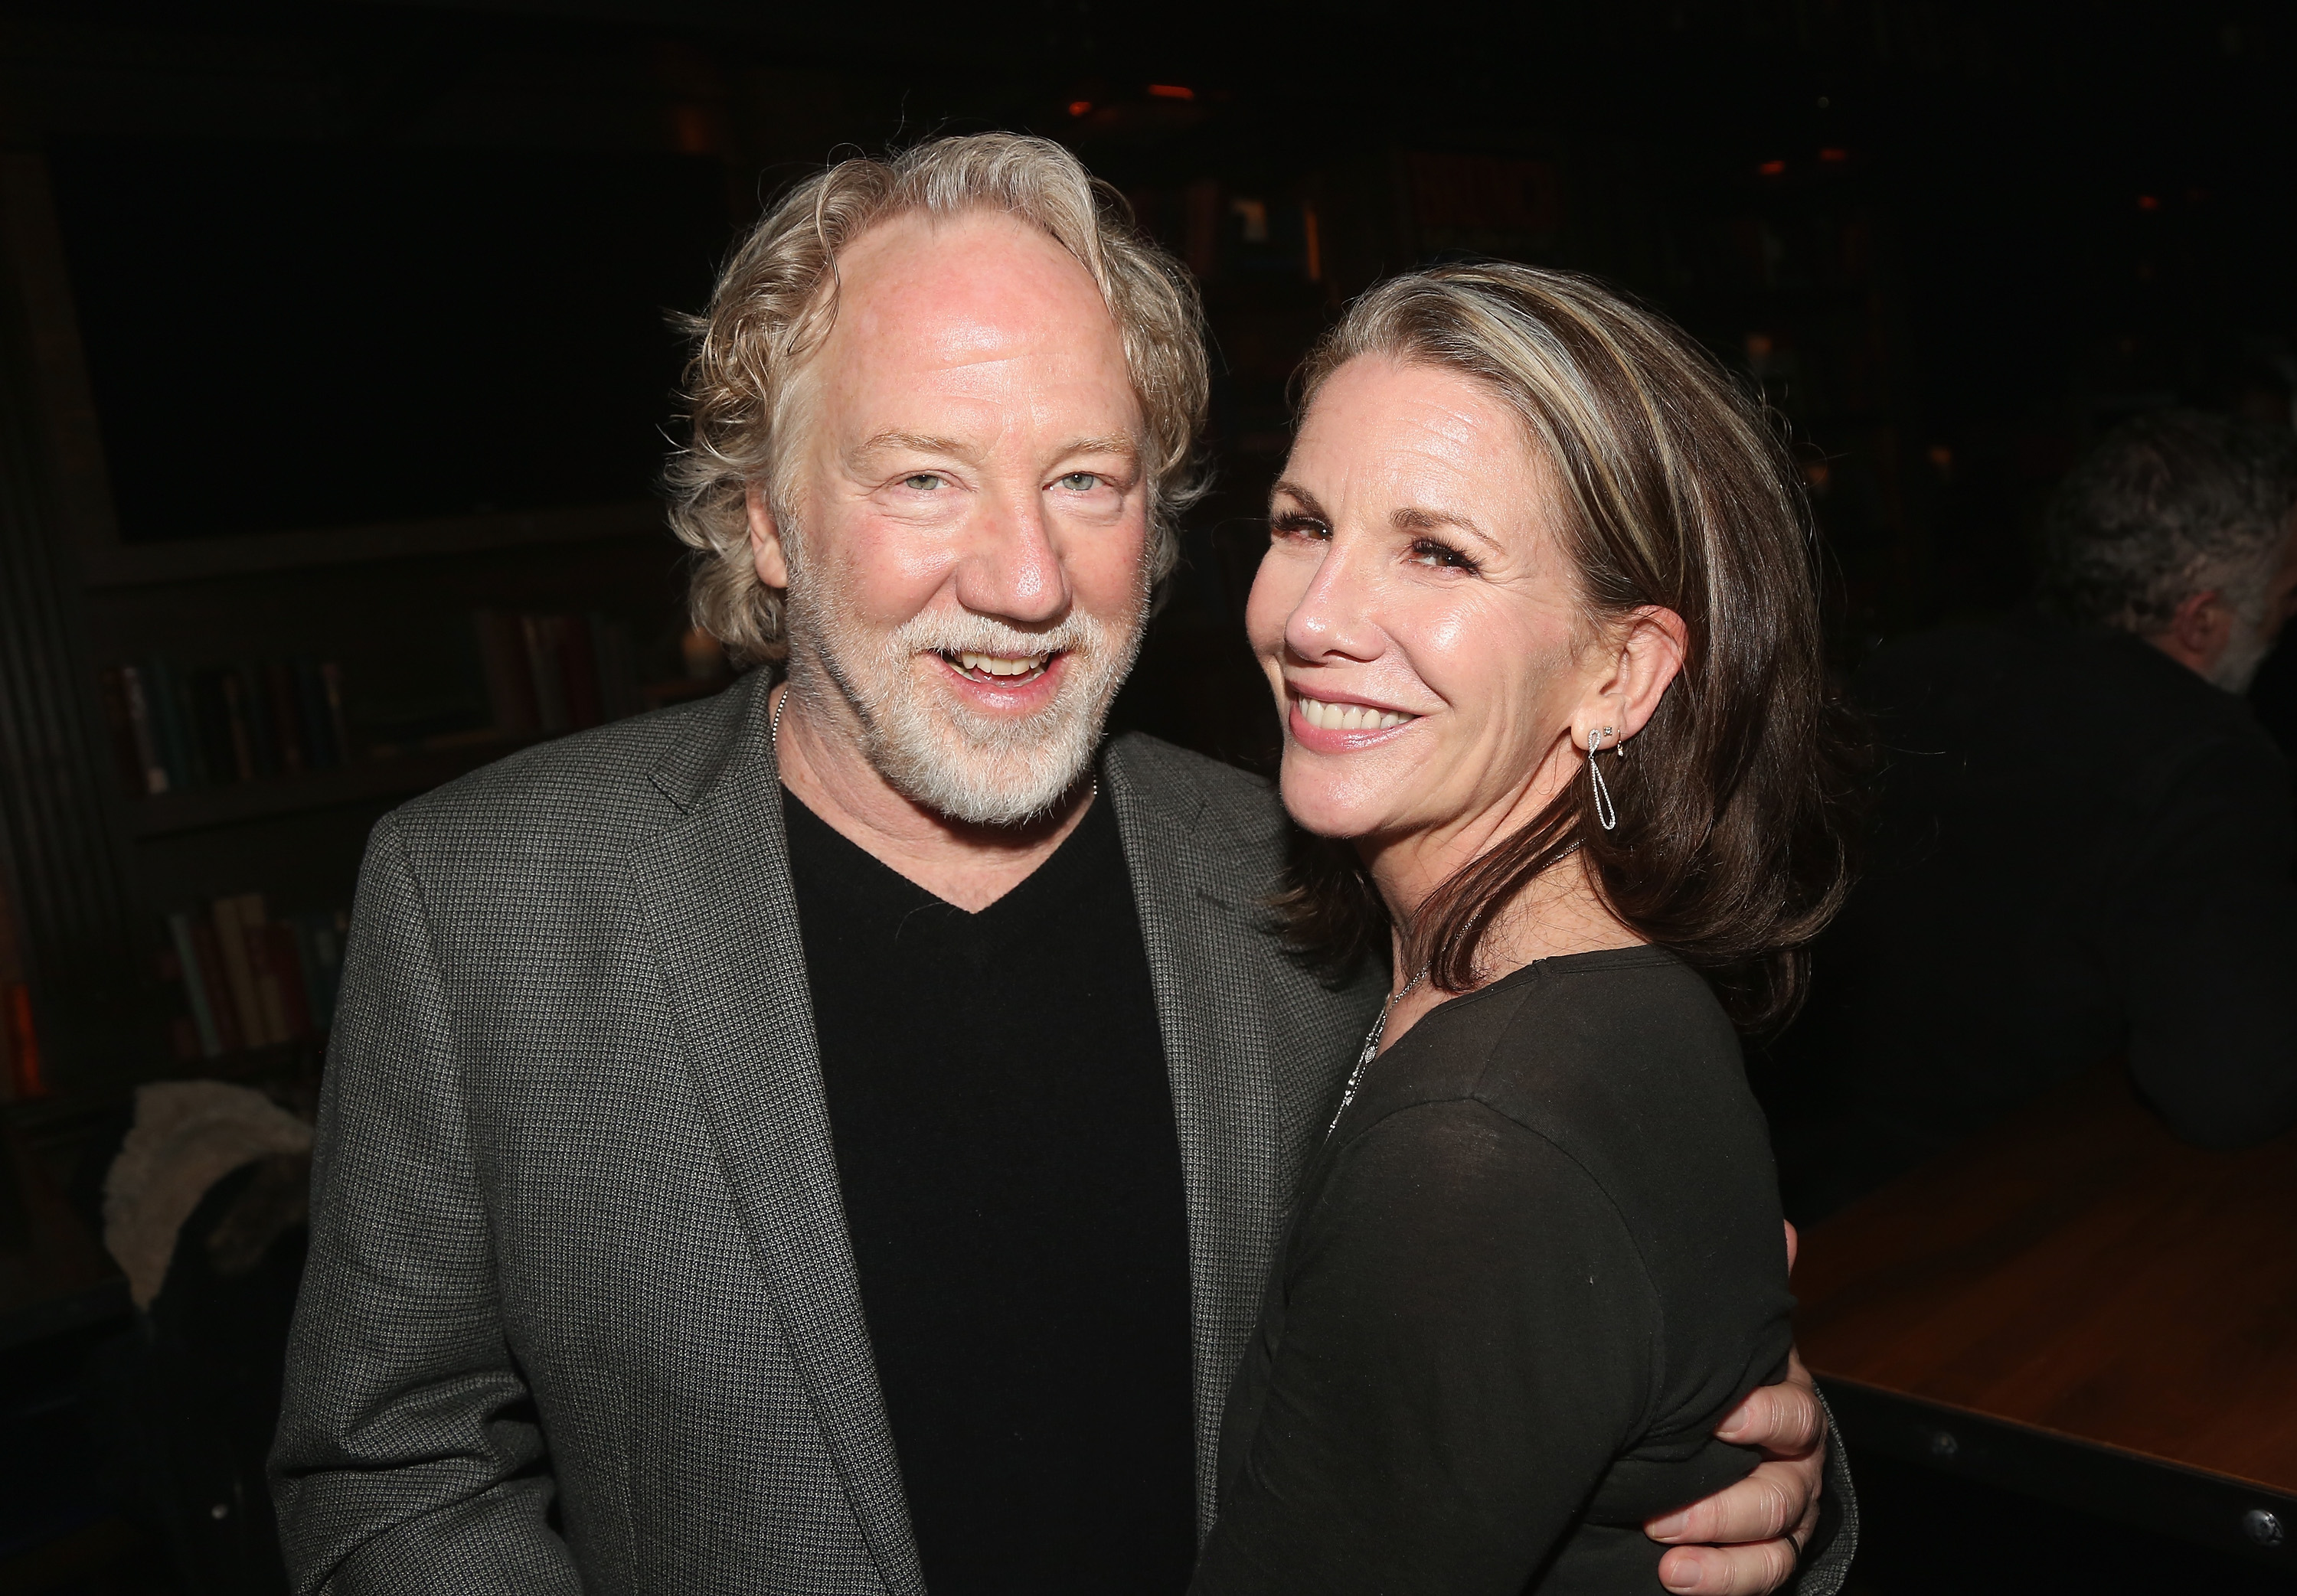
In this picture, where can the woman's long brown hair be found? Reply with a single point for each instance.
(1732, 847)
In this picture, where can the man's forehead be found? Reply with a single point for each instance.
(962, 288)
(895, 440)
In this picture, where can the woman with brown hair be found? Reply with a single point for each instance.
(1539, 613)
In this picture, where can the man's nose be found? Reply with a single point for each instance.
(1012, 571)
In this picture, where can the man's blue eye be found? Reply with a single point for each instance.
(924, 481)
(1080, 481)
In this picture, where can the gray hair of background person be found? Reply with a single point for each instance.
(2167, 505)
(1672, 490)
(777, 300)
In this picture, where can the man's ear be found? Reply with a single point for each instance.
(2198, 631)
(1646, 655)
(765, 538)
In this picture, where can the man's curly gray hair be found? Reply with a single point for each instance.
(2167, 505)
(777, 300)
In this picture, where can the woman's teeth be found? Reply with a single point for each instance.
(994, 664)
(1348, 717)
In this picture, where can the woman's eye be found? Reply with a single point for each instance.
(1296, 526)
(1437, 555)
(923, 481)
(1081, 481)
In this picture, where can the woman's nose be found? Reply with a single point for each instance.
(1334, 617)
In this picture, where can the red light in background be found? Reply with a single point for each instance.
(1834, 157)
(1172, 90)
(1772, 169)
(1077, 108)
(2148, 202)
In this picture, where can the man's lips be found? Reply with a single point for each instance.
(1004, 672)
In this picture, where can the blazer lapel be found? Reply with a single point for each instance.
(715, 885)
(1199, 919)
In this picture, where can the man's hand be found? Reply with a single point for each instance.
(1744, 1540)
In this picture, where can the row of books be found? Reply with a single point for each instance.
(251, 981)
(548, 674)
(174, 730)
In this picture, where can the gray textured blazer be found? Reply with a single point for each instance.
(579, 1313)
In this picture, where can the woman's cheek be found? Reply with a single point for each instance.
(1275, 593)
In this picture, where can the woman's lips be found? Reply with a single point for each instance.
(1327, 726)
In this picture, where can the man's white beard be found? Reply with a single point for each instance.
(920, 736)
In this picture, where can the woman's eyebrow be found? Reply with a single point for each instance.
(1298, 495)
(1413, 520)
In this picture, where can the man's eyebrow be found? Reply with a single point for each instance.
(1116, 443)
(922, 443)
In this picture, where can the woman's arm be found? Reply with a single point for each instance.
(1465, 1343)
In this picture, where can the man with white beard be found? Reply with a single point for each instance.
(832, 1136)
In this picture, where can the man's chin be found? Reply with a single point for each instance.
(998, 792)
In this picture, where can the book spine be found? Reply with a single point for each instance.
(312, 715)
(286, 972)
(147, 743)
(339, 726)
(112, 688)
(212, 728)
(243, 737)
(541, 633)
(303, 929)
(26, 1077)
(230, 1033)
(255, 704)
(268, 996)
(167, 719)
(197, 770)
(231, 938)
(187, 955)
(279, 687)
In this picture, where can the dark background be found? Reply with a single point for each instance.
(388, 291)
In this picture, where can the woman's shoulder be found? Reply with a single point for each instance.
(1622, 1060)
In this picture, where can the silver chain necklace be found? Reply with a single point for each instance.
(1380, 1027)
(1372, 1047)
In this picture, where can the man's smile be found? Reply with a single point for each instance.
(1004, 669)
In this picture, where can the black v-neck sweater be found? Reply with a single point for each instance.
(1011, 1175)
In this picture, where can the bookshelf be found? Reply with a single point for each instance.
(328, 642)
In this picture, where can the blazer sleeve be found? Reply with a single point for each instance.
(2208, 941)
(410, 1456)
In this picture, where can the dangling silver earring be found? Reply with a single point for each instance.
(1606, 813)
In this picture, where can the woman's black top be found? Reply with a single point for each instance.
(1534, 1266)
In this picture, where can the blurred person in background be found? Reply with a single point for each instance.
(2083, 843)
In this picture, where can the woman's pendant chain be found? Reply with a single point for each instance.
(1372, 1049)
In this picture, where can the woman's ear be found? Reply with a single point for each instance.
(1646, 656)
(765, 539)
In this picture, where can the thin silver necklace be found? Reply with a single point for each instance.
(774, 738)
(1372, 1047)
(1380, 1027)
